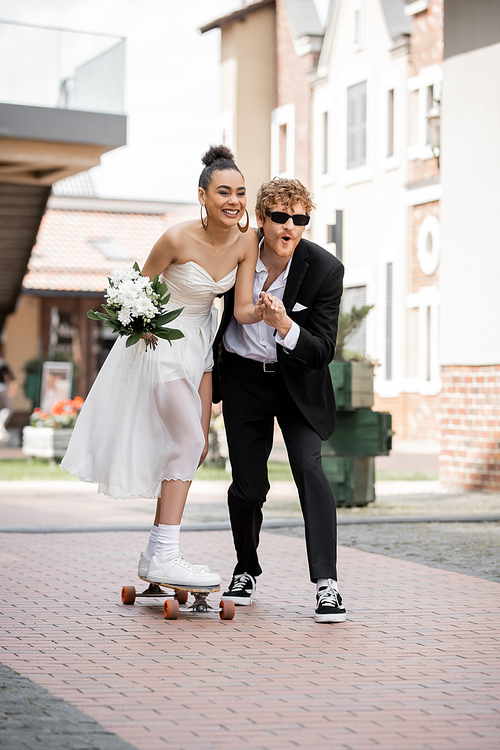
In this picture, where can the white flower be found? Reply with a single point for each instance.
(123, 274)
(124, 316)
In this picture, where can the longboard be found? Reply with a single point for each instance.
(171, 605)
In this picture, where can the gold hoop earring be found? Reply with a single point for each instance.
(204, 221)
(244, 228)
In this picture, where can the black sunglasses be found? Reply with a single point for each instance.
(280, 217)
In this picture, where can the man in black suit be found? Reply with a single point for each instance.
(279, 368)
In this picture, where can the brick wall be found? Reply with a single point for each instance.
(423, 170)
(427, 40)
(414, 417)
(470, 427)
(426, 48)
(293, 88)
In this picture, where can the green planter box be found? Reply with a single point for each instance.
(353, 385)
(31, 387)
(360, 433)
(351, 479)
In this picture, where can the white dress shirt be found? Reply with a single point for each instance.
(258, 340)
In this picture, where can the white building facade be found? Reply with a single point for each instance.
(365, 137)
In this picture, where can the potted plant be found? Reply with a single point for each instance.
(47, 435)
(352, 373)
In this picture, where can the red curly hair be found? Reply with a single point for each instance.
(283, 191)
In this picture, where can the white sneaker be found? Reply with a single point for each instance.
(178, 572)
(142, 569)
(144, 561)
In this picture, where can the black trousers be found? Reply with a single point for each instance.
(251, 399)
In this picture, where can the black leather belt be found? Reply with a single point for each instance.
(250, 364)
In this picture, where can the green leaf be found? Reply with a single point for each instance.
(114, 324)
(168, 317)
(136, 268)
(110, 310)
(169, 334)
(162, 289)
(98, 316)
(133, 339)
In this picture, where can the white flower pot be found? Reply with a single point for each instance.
(46, 442)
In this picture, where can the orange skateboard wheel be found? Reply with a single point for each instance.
(227, 609)
(182, 596)
(128, 594)
(171, 609)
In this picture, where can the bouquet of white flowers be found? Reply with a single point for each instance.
(135, 308)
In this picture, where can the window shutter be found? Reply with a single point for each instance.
(356, 125)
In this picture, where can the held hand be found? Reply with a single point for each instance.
(275, 315)
(259, 309)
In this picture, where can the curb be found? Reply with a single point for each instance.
(272, 523)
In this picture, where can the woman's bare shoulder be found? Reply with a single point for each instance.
(177, 234)
(249, 244)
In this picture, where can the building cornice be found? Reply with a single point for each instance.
(412, 7)
(115, 205)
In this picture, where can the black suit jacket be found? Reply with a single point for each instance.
(315, 282)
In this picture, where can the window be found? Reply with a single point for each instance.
(388, 323)
(356, 125)
(423, 352)
(428, 245)
(426, 88)
(428, 353)
(283, 141)
(282, 148)
(357, 25)
(390, 123)
(355, 296)
(324, 166)
(111, 249)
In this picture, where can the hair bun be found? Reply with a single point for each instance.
(217, 152)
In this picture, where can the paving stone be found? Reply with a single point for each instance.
(470, 548)
(30, 717)
(415, 666)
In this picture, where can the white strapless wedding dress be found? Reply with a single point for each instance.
(140, 423)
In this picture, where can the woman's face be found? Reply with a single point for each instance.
(226, 198)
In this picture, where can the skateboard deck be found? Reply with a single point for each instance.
(171, 605)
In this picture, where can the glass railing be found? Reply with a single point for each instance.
(51, 67)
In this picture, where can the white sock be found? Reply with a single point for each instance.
(153, 538)
(322, 582)
(167, 544)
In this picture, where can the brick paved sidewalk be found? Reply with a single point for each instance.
(415, 666)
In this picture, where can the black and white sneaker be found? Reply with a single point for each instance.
(329, 607)
(241, 590)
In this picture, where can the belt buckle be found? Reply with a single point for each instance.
(272, 366)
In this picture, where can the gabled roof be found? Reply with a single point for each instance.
(65, 258)
(397, 22)
(303, 18)
(237, 15)
(397, 25)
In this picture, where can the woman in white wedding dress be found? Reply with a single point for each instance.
(143, 429)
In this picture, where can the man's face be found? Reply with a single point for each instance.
(282, 239)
